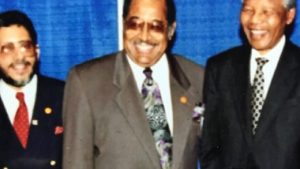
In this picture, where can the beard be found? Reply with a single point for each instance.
(18, 83)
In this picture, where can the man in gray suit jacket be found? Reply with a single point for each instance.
(106, 126)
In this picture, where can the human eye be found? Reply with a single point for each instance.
(157, 27)
(269, 12)
(247, 9)
(26, 46)
(7, 49)
(133, 24)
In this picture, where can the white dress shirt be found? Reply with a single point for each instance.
(160, 74)
(11, 103)
(269, 68)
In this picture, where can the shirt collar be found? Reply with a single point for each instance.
(160, 71)
(160, 67)
(28, 89)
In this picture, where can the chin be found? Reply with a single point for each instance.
(17, 82)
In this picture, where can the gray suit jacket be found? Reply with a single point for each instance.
(105, 125)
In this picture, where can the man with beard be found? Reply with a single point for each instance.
(30, 105)
(133, 109)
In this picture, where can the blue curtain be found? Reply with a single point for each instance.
(72, 31)
(207, 27)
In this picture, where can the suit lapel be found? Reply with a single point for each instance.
(130, 102)
(241, 68)
(182, 113)
(281, 85)
(37, 136)
(7, 131)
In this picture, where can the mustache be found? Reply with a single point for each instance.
(18, 62)
(148, 42)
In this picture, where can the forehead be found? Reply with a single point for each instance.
(264, 3)
(13, 33)
(148, 9)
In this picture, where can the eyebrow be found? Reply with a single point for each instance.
(154, 20)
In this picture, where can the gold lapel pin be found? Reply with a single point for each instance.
(183, 100)
(48, 110)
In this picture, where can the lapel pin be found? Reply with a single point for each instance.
(48, 110)
(183, 100)
(35, 122)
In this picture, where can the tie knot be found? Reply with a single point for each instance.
(148, 72)
(20, 96)
(261, 61)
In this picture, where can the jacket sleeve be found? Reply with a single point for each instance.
(78, 123)
(210, 145)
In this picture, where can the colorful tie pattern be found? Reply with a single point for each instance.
(257, 99)
(156, 116)
(21, 121)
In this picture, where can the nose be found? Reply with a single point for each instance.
(257, 17)
(144, 34)
(19, 54)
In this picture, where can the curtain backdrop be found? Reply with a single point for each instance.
(72, 31)
(207, 27)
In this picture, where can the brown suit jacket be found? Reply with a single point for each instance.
(105, 125)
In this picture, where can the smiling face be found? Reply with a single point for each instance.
(18, 55)
(146, 31)
(264, 22)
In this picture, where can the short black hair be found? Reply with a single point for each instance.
(16, 17)
(171, 10)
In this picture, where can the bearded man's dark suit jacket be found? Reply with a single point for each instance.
(105, 123)
(44, 147)
(228, 142)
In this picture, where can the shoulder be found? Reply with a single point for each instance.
(187, 64)
(292, 48)
(230, 54)
(50, 89)
(50, 82)
(101, 62)
(184, 68)
(94, 70)
(238, 54)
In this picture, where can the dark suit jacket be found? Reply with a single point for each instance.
(105, 123)
(227, 139)
(44, 149)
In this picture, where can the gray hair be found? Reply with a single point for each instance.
(288, 4)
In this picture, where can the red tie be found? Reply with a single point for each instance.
(21, 121)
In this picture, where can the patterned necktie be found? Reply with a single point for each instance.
(156, 116)
(257, 99)
(21, 121)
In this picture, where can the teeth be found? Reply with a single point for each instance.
(19, 67)
(257, 32)
(144, 47)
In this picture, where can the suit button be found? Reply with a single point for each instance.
(52, 162)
